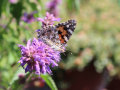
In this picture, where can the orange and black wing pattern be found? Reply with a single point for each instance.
(65, 30)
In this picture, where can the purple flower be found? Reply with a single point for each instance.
(48, 20)
(28, 18)
(52, 7)
(13, 1)
(37, 56)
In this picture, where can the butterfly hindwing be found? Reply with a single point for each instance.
(50, 34)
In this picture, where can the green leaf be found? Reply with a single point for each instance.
(33, 5)
(73, 5)
(11, 58)
(16, 10)
(16, 85)
(6, 7)
(14, 81)
(49, 81)
(1, 2)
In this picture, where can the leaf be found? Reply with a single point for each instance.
(16, 10)
(14, 81)
(16, 85)
(49, 81)
(1, 2)
(6, 7)
(73, 5)
(11, 58)
(33, 5)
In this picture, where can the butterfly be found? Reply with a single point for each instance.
(57, 36)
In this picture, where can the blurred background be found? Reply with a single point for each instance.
(92, 58)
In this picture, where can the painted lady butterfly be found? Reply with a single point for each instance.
(57, 36)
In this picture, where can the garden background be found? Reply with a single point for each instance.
(92, 57)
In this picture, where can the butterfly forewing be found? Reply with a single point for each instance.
(65, 30)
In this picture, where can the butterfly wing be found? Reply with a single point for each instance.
(65, 30)
(49, 35)
(57, 36)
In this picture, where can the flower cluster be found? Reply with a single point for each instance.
(28, 18)
(48, 20)
(37, 56)
(13, 1)
(52, 7)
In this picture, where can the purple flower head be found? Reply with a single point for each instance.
(28, 18)
(53, 3)
(48, 20)
(37, 56)
(52, 6)
(13, 1)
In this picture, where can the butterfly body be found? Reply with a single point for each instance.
(57, 36)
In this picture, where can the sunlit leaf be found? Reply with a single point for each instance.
(49, 81)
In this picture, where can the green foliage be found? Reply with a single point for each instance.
(14, 83)
(49, 81)
(1, 6)
(16, 10)
(15, 77)
(73, 5)
(96, 38)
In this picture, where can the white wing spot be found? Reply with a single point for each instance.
(65, 38)
(70, 31)
(67, 26)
